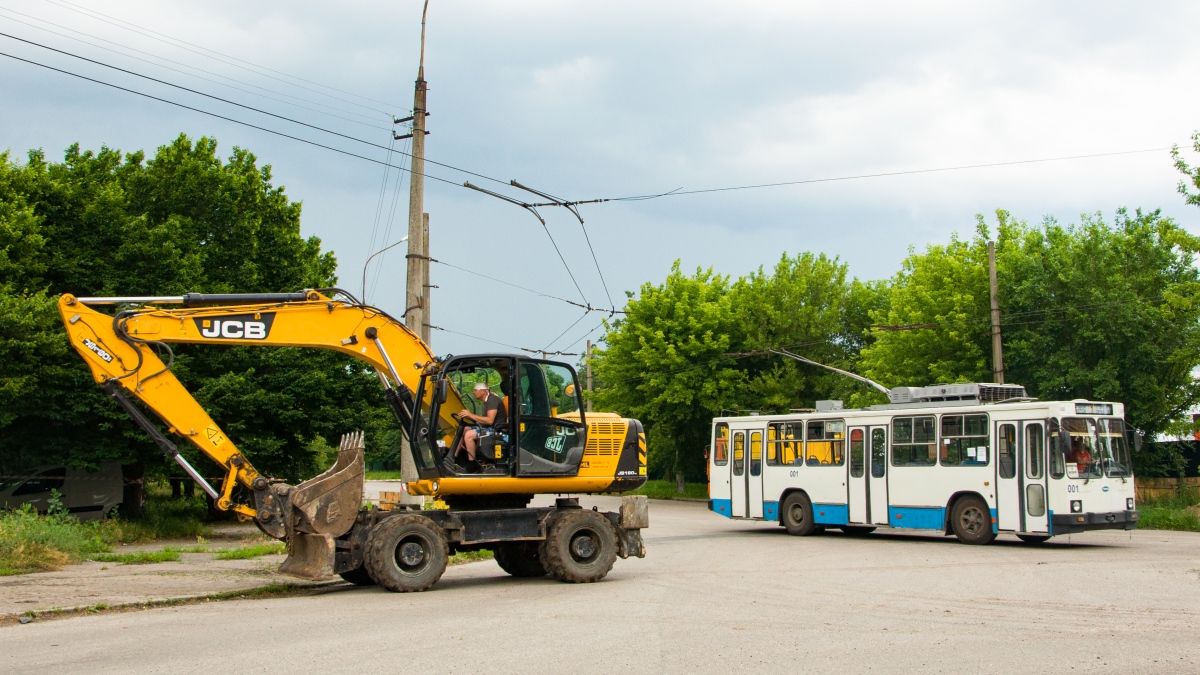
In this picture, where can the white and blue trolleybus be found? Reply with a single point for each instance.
(973, 460)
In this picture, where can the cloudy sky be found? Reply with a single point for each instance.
(587, 99)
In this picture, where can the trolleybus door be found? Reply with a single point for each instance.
(1033, 472)
(877, 493)
(856, 483)
(737, 476)
(754, 475)
(1008, 477)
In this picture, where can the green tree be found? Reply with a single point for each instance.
(696, 347)
(108, 223)
(1108, 312)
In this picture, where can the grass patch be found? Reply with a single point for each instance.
(33, 542)
(1171, 513)
(383, 475)
(469, 556)
(252, 551)
(139, 557)
(30, 542)
(665, 489)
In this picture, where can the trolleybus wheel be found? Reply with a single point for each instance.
(1033, 538)
(406, 553)
(797, 515)
(857, 530)
(972, 521)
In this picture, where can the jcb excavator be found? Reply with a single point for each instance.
(548, 445)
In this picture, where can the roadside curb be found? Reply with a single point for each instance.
(267, 591)
(679, 499)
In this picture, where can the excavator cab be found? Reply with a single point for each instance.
(533, 439)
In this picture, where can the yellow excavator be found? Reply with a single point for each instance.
(546, 444)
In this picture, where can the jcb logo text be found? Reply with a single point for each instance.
(237, 327)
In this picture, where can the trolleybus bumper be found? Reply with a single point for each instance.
(1070, 523)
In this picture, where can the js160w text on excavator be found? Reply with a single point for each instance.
(543, 443)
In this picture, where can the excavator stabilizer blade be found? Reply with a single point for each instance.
(324, 508)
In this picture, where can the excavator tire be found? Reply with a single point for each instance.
(520, 559)
(358, 576)
(580, 546)
(406, 553)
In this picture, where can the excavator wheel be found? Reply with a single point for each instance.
(358, 576)
(520, 559)
(580, 546)
(406, 553)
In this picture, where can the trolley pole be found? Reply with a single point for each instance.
(997, 347)
(414, 297)
(588, 361)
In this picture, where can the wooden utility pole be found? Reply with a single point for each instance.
(997, 348)
(414, 297)
(414, 300)
(588, 361)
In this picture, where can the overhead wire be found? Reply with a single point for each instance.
(171, 41)
(218, 116)
(185, 65)
(523, 288)
(573, 324)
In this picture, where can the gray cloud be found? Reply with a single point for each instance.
(610, 99)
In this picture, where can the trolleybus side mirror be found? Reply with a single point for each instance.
(1137, 440)
(1064, 439)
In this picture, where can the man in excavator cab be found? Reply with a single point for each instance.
(551, 445)
(492, 422)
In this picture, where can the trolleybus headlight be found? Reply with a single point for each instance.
(1076, 506)
(1129, 503)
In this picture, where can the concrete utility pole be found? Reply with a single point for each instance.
(417, 277)
(428, 316)
(414, 299)
(588, 361)
(997, 348)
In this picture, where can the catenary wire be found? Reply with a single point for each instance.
(573, 324)
(179, 63)
(676, 193)
(152, 35)
(223, 117)
(523, 288)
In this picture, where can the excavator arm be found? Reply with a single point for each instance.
(125, 352)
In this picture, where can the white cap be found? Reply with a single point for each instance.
(481, 385)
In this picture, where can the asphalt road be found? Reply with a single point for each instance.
(712, 596)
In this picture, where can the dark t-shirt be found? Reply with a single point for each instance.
(494, 402)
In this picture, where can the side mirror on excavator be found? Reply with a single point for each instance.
(442, 391)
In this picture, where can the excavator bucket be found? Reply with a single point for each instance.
(324, 508)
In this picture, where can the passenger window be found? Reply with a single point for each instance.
(1006, 450)
(721, 445)
(784, 442)
(756, 449)
(739, 453)
(857, 452)
(913, 440)
(1034, 455)
(878, 452)
(50, 479)
(826, 443)
(964, 440)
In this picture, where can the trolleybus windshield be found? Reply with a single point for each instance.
(1083, 455)
(1114, 449)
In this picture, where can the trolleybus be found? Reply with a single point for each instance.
(973, 460)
